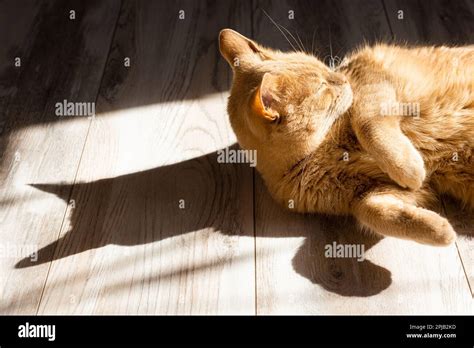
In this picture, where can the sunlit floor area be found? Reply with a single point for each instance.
(127, 211)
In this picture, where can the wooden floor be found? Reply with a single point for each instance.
(129, 211)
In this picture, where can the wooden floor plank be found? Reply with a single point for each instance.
(128, 247)
(293, 274)
(434, 22)
(463, 223)
(444, 23)
(36, 146)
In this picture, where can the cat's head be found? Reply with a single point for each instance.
(282, 103)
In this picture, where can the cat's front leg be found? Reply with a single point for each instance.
(392, 212)
(393, 151)
(380, 135)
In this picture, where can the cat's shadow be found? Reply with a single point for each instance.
(144, 207)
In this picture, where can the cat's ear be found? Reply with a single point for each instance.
(265, 98)
(232, 46)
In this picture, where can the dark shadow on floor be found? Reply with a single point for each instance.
(143, 208)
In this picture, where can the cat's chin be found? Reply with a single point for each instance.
(344, 101)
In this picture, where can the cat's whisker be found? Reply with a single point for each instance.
(312, 41)
(301, 42)
(330, 43)
(279, 26)
(281, 31)
(296, 41)
(332, 60)
(339, 51)
(329, 62)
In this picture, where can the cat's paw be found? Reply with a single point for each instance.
(434, 229)
(389, 215)
(406, 167)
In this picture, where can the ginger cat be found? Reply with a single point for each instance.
(379, 137)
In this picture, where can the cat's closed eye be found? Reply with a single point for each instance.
(337, 79)
(321, 87)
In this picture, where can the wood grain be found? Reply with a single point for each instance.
(293, 274)
(445, 23)
(128, 247)
(36, 145)
(436, 22)
(102, 198)
(463, 222)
